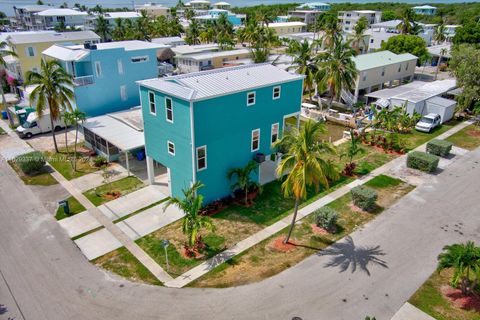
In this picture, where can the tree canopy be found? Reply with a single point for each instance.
(406, 43)
(469, 33)
(465, 67)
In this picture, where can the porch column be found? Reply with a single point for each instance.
(357, 90)
(150, 171)
(128, 164)
(298, 121)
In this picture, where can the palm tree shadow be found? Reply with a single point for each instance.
(345, 255)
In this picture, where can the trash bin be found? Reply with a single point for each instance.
(4, 115)
(65, 206)
(140, 155)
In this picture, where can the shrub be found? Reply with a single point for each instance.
(364, 197)
(422, 161)
(439, 147)
(30, 162)
(326, 218)
(99, 161)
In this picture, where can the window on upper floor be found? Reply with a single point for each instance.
(139, 59)
(151, 102)
(201, 158)
(255, 140)
(383, 71)
(98, 69)
(123, 93)
(276, 92)
(31, 51)
(169, 109)
(171, 147)
(120, 66)
(274, 137)
(250, 98)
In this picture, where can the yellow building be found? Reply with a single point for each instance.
(282, 28)
(29, 48)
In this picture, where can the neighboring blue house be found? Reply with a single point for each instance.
(425, 10)
(105, 74)
(318, 6)
(214, 14)
(202, 124)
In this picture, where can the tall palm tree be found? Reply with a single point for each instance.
(443, 52)
(68, 120)
(118, 32)
(328, 24)
(265, 18)
(53, 91)
(193, 33)
(336, 69)
(143, 27)
(407, 21)
(102, 28)
(358, 35)
(304, 163)
(189, 14)
(243, 177)
(192, 222)
(303, 62)
(439, 35)
(77, 118)
(4, 51)
(464, 258)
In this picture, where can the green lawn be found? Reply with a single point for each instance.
(429, 299)
(262, 260)
(467, 138)
(417, 138)
(99, 195)
(123, 263)
(75, 207)
(42, 178)
(62, 163)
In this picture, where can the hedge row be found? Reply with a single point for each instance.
(326, 218)
(422, 161)
(364, 197)
(30, 162)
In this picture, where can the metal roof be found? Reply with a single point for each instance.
(34, 8)
(217, 54)
(387, 24)
(52, 37)
(65, 54)
(380, 59)
(436, 50)
(424, 7)
(218, 82)
(442, 101)
(124, 129)
(60, 12)
(286, 24)
(121, 14)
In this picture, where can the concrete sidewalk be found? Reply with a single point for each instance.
(410, 312)
(113, 210)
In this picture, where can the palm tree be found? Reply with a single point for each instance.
(265, 18)
(77, 117)
(303, 62)
(68, 120)
(407, 20)
(244, 180)
(193, 33)
(143, 27)
(358, 35)
(439, 35)
(304, 163)
(189, 14)
(118, 32)
(102, 27)
(464, 258)
(443, 52)
(4, 51)
(192, 222)
(53, 91)
(328, 23)
(337, 70)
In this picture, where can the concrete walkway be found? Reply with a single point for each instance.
(113, 210)
(410, 312)
(392, 168)
(95, 179)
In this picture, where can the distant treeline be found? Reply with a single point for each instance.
(454, 13)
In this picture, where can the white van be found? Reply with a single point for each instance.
(36, 125)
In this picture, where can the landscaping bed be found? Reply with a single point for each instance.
(467, 138)
(39, 178)
(75, 207)
(436, 298)
(124, 264)
(62, 163)
(265, 259)
(113, 190)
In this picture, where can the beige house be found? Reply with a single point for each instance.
(382, 69)
(153, 10)
(282, 28)
(209, 60)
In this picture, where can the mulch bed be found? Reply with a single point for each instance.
(318, 230)
(354, 208)
(474, 132)
(459, 300)
(278, 245)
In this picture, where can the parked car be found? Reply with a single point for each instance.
(36, 125)
(428, 122)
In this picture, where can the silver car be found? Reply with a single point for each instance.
(428, 122)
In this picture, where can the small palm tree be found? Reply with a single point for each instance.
(68, 120)
(77, 118)
(4, 51)
(439, 35)
(102, 28)
(304, 163)
(352, 150)
(303, 62)
(53, 91)
(358, 36)
(193, 33)
(244, 180)
(443, 52)
(192, 222)
(464, 258)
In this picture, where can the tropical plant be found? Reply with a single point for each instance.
(406, 43)
(265, 18)
(193, 222)
(439, 35)
(466, 69)
(193, 33)
(52, 92)
(337, 69)
(464, 258)
(443, 52)
(328, 23)
(67, 119)
(77, 117)
(358, 35)
(4, 51)
(303, 62)
(305, 164)
(406, 24)
(243, 178)
(118, 32)
(102, 28)
(352, 150)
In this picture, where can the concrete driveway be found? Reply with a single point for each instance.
(44, 141)
(44, 276)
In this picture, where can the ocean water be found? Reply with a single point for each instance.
(7, 5)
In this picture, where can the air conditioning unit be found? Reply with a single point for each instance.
(259, 157)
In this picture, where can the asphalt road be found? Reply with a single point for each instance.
(44, 276)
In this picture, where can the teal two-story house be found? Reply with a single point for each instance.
(105, 74)
(202, 124)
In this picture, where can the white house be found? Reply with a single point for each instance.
(348, 19)
(425, 10)
(51, 18)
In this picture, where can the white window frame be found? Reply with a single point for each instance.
(141, 59)
(168, 148)
(279, 92)
(196, 153)
(254, 98)
(120, 66)
(166, 109)
(123, 93)
(154, 103)
(251, 140)
(98, 69)
(271, 133)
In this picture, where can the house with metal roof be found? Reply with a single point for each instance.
(25, 18)
(348, 19)
(29, 47)
(200, 125)
(209, 60)
(425, 10)
(50, 18)
(382, 69)
(105, 74)
(309, 12)
(213, 15)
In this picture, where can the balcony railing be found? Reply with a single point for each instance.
(83, 81)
